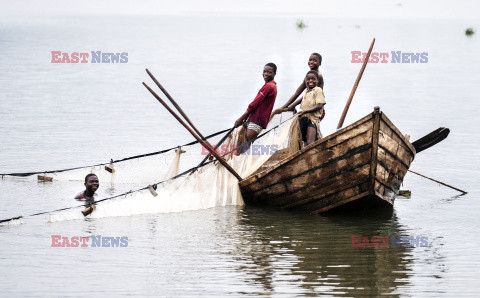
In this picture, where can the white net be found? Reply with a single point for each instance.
(209, 186)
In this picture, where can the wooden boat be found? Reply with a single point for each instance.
(359, 167)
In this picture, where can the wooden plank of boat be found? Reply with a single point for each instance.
(359, 167)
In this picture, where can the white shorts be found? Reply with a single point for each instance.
(254, 126)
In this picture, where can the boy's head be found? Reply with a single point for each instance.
(91, 182)
(269, 72)
(314, 61)
(311, 79)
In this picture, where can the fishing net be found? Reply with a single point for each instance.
(177, 184)
(143, 169)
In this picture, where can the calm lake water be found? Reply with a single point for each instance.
(55, 116)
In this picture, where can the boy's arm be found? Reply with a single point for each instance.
(242, 118)
(319, 99)
(320, 80)
(295, 95)
(262, 94)
(80, 196)
(315, 108)
(293, 105)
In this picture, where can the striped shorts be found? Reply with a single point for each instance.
(254, 126)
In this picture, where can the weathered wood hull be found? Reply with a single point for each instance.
(359, 167)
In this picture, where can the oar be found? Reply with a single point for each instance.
(359, 77)
(431, 139)
(174, 104)
(205, 144)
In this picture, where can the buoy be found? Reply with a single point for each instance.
(44, 178)
(405, 193)
(152, 191)
(88, 210)
(110, 169)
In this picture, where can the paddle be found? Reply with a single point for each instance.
(431, 139)
(205, 144)
(357, 81)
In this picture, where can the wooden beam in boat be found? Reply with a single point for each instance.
(375, 135)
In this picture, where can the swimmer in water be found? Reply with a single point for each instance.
(91, 185)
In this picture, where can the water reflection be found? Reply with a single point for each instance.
(278, 251)
(452, 199)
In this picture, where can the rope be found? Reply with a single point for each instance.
(26, 174)
(143, 188)
(109, 198)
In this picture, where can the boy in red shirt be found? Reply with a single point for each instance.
(258, 112)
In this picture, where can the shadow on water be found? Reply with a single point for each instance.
(278, 249)
(453, 198)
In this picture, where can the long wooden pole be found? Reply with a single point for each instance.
(216, 146)
(445, 184)
(174, 104)
(180, 110)
(205, 144)
(359, 77)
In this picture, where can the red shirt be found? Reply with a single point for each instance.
(262, 106)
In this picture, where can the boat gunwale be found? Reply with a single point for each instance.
(398, 133)
(252, 178)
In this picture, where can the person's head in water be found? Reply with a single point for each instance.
(91, 184)
(269, 72)
(311, 79)
(315, 61)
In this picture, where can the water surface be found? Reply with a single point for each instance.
(60, 115)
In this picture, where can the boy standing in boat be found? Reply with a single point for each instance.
(258, 111)
(91, 185)
(312, 105)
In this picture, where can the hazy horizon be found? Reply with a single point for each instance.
(463, 9)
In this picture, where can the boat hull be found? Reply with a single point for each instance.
(359, 167)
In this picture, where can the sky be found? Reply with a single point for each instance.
(458, 9)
